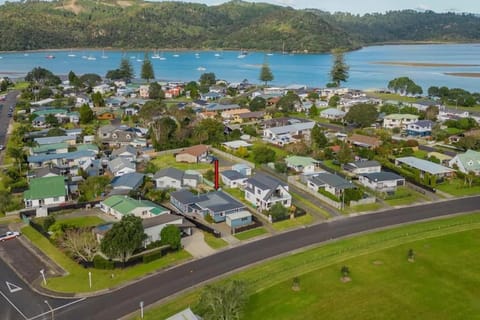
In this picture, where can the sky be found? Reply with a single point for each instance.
(369, 6)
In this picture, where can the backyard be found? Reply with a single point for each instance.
(457, 187)
(168, 160)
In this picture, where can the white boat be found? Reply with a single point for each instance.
(156, 55)
(103, 55)
(176, 55)
(270, 54)
(71, 54)
(197, 55)
(25, 54)
(201, 69)
(91, 58)
(217, 54)
(139, 60)
(242, 54)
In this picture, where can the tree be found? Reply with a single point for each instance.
(51, 120)
(48, 222)
(257, 103)
(318, 137)
(362, 115)
(411, 255)
(333, 101)
(278, 212)
(469, 178)
(171, 235)
(155, 91)
(147, 69)
(242, 152)
(163, 133)
(80, 243)
(345, 271)
(17, 153)
(288, 101)
(90, 79)
(206, 80)
(92, 187)
(209, 131)
(345, 154)
(281, 167)
(313, 112)
(5, 201)
(86, 114)
(266, 74)
(124, 238)
(339, 72)
(263, 154)
(404, 85)
(223, 301)
(98, 100)
(431, 113)
(389, 109)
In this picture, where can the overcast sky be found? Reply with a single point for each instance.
(366, 6)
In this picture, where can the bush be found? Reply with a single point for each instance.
(101, 263)
(153, 245)
(149, 257)
(48, 222)
(328, 195)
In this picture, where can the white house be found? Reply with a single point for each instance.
(45, 191)
(283, 135)
(329, 182)
(152, 227)
(397, 120)
(119, 206)
(120, 166)
(381, 181)
(467, 162)
(264, 191)
(233, 179)
(332, 114)
(361, 167)
(172, 178)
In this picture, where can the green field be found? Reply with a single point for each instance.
(168, 160)
(442, 283)
(245, 235)
(77, 278)
(457, 187)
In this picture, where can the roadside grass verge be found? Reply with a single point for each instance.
(77, 279)
(363, 208)
(214, 243)
(404, 196)
(369, 247)
(457, 187)
(292, 223)
(245, 235)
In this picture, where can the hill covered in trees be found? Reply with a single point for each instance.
(32, 25)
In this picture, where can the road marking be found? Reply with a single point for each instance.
(56, 309)
(12, 287)
(11, 303)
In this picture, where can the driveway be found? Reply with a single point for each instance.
(196, 246)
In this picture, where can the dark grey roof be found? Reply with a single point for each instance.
(127, 148)
(232, 175)
(382, 176)
(160, 219)
(186, 197)
(219, 201)
(130, 180)
(264, 182)
(424, 123)
(41, 172)
(169, 172)
(332, 180)
(366, 164)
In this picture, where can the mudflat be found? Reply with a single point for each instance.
(424, 64)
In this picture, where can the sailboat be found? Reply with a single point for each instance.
(103, 54)
(71, 54)
(201, 68)
(90, 57)
(242, 54)
(155, 55)
(197, 55)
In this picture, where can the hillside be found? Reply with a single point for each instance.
(234, 25)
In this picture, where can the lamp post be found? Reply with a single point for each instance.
(51, 309)
(141, 309)
(42, 272)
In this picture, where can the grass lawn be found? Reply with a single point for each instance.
(245, 235)
(404, 196)
(420, 154)
(77, 278)
(85, 221)
(168, 160)
(20, 85)
(292, 223)
(392, 96)
(453, 131)
(214, 243)
(364, 207)
(331, 165)
(388, 289)
(307, 205)
(456, 187)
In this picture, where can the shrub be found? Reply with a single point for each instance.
(328, 195)
(100, 263)
(149, 257)
(48, 222)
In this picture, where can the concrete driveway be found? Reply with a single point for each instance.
(196, 246)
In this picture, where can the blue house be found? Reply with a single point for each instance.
(239, 219)
(420, 128)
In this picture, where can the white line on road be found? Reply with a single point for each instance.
(56, 309)
(11, 303)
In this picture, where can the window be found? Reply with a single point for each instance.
(244, 219)
(56, 199)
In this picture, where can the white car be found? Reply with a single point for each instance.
(9, 235)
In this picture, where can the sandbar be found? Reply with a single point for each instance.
(464, 74)
(424, 64)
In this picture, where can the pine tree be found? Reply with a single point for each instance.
(126, 69)
(339, 72)
(266, 74)
(147, 69)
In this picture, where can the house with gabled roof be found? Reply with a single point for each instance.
(333, 114)
(128, 152)
(233, 179)
(119, 206)
(381, 181)
(45, 191)
(173, 178)
(420, 128)
(192, 154)
(128, 182)
(425, 166)
(363, 141)
(467, 162)
(397, 120)
(120, 166)
(295, 131)
(363, 166)
(331, 183)
(302, 164)
(263, 191)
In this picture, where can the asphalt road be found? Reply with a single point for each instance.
(4, 119)
(126, 300)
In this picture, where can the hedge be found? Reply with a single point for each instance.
(101, 263)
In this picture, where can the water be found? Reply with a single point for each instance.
(311, 69)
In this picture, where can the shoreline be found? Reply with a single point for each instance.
(463, 74)
(423, 64)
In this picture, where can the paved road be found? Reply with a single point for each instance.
(4, 119)
(126, 300)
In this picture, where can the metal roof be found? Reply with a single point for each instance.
(424, 165)
(382, 176)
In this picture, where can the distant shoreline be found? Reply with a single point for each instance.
(463, 74)
(424, 64)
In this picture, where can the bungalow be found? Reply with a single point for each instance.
(57, 139)
(288, 134)
(235, 145)
(53, 148)
(172, 178)
(244, 169)
(119, 206)
(63, 160)
(264, 191)
(127, 182)
(44, 172)
(302, 164)
(381, 181)
(329, 182)
(233, 179)
(249, 116)
(120, 166)
(362, 167)
(239, 219)
(217, 204)
(364, 141)
(107, 115)
(114, 136)
(333, 114)
(221, 107)
(152, 227)
(421, 128)
(127, 152)
(467, 162)
(425, 167)
(193, 154)
(230, 114)
(102, 88)
(45, 191)
(397, 120)
(211, 96)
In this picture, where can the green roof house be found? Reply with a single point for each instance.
(119, 206)
(467, 162)
(302, 164)
(45, 191)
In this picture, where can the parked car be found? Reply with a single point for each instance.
(1, 147)
(9, 235)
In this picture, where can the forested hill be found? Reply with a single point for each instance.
(126, 24)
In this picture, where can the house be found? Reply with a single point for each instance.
(467, 162)
(144, 91)
(421, 128)
(116, 136)
(381, 181)
(102, 88)
(120, 166)
(62, 160)
(45, 191)
(329, 182)
(444, 158)
(397, 120)
(230, 114)
(333, 114)
(172, 178)
(208, 115)
(283, 135)
(425, 166)
(233, 179)
(249, 116)
(128, 182)
(221, 107)
(127, 152)
(119, 206)
(302, 164)
(44, 172)
(152, 227)
(71, 141)
(193, 154)
(364, 141)
(361, 167)
(264, 191)
(239, 219)
(235, 145)
(216, 204)
(244, 169)
(53, 148)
